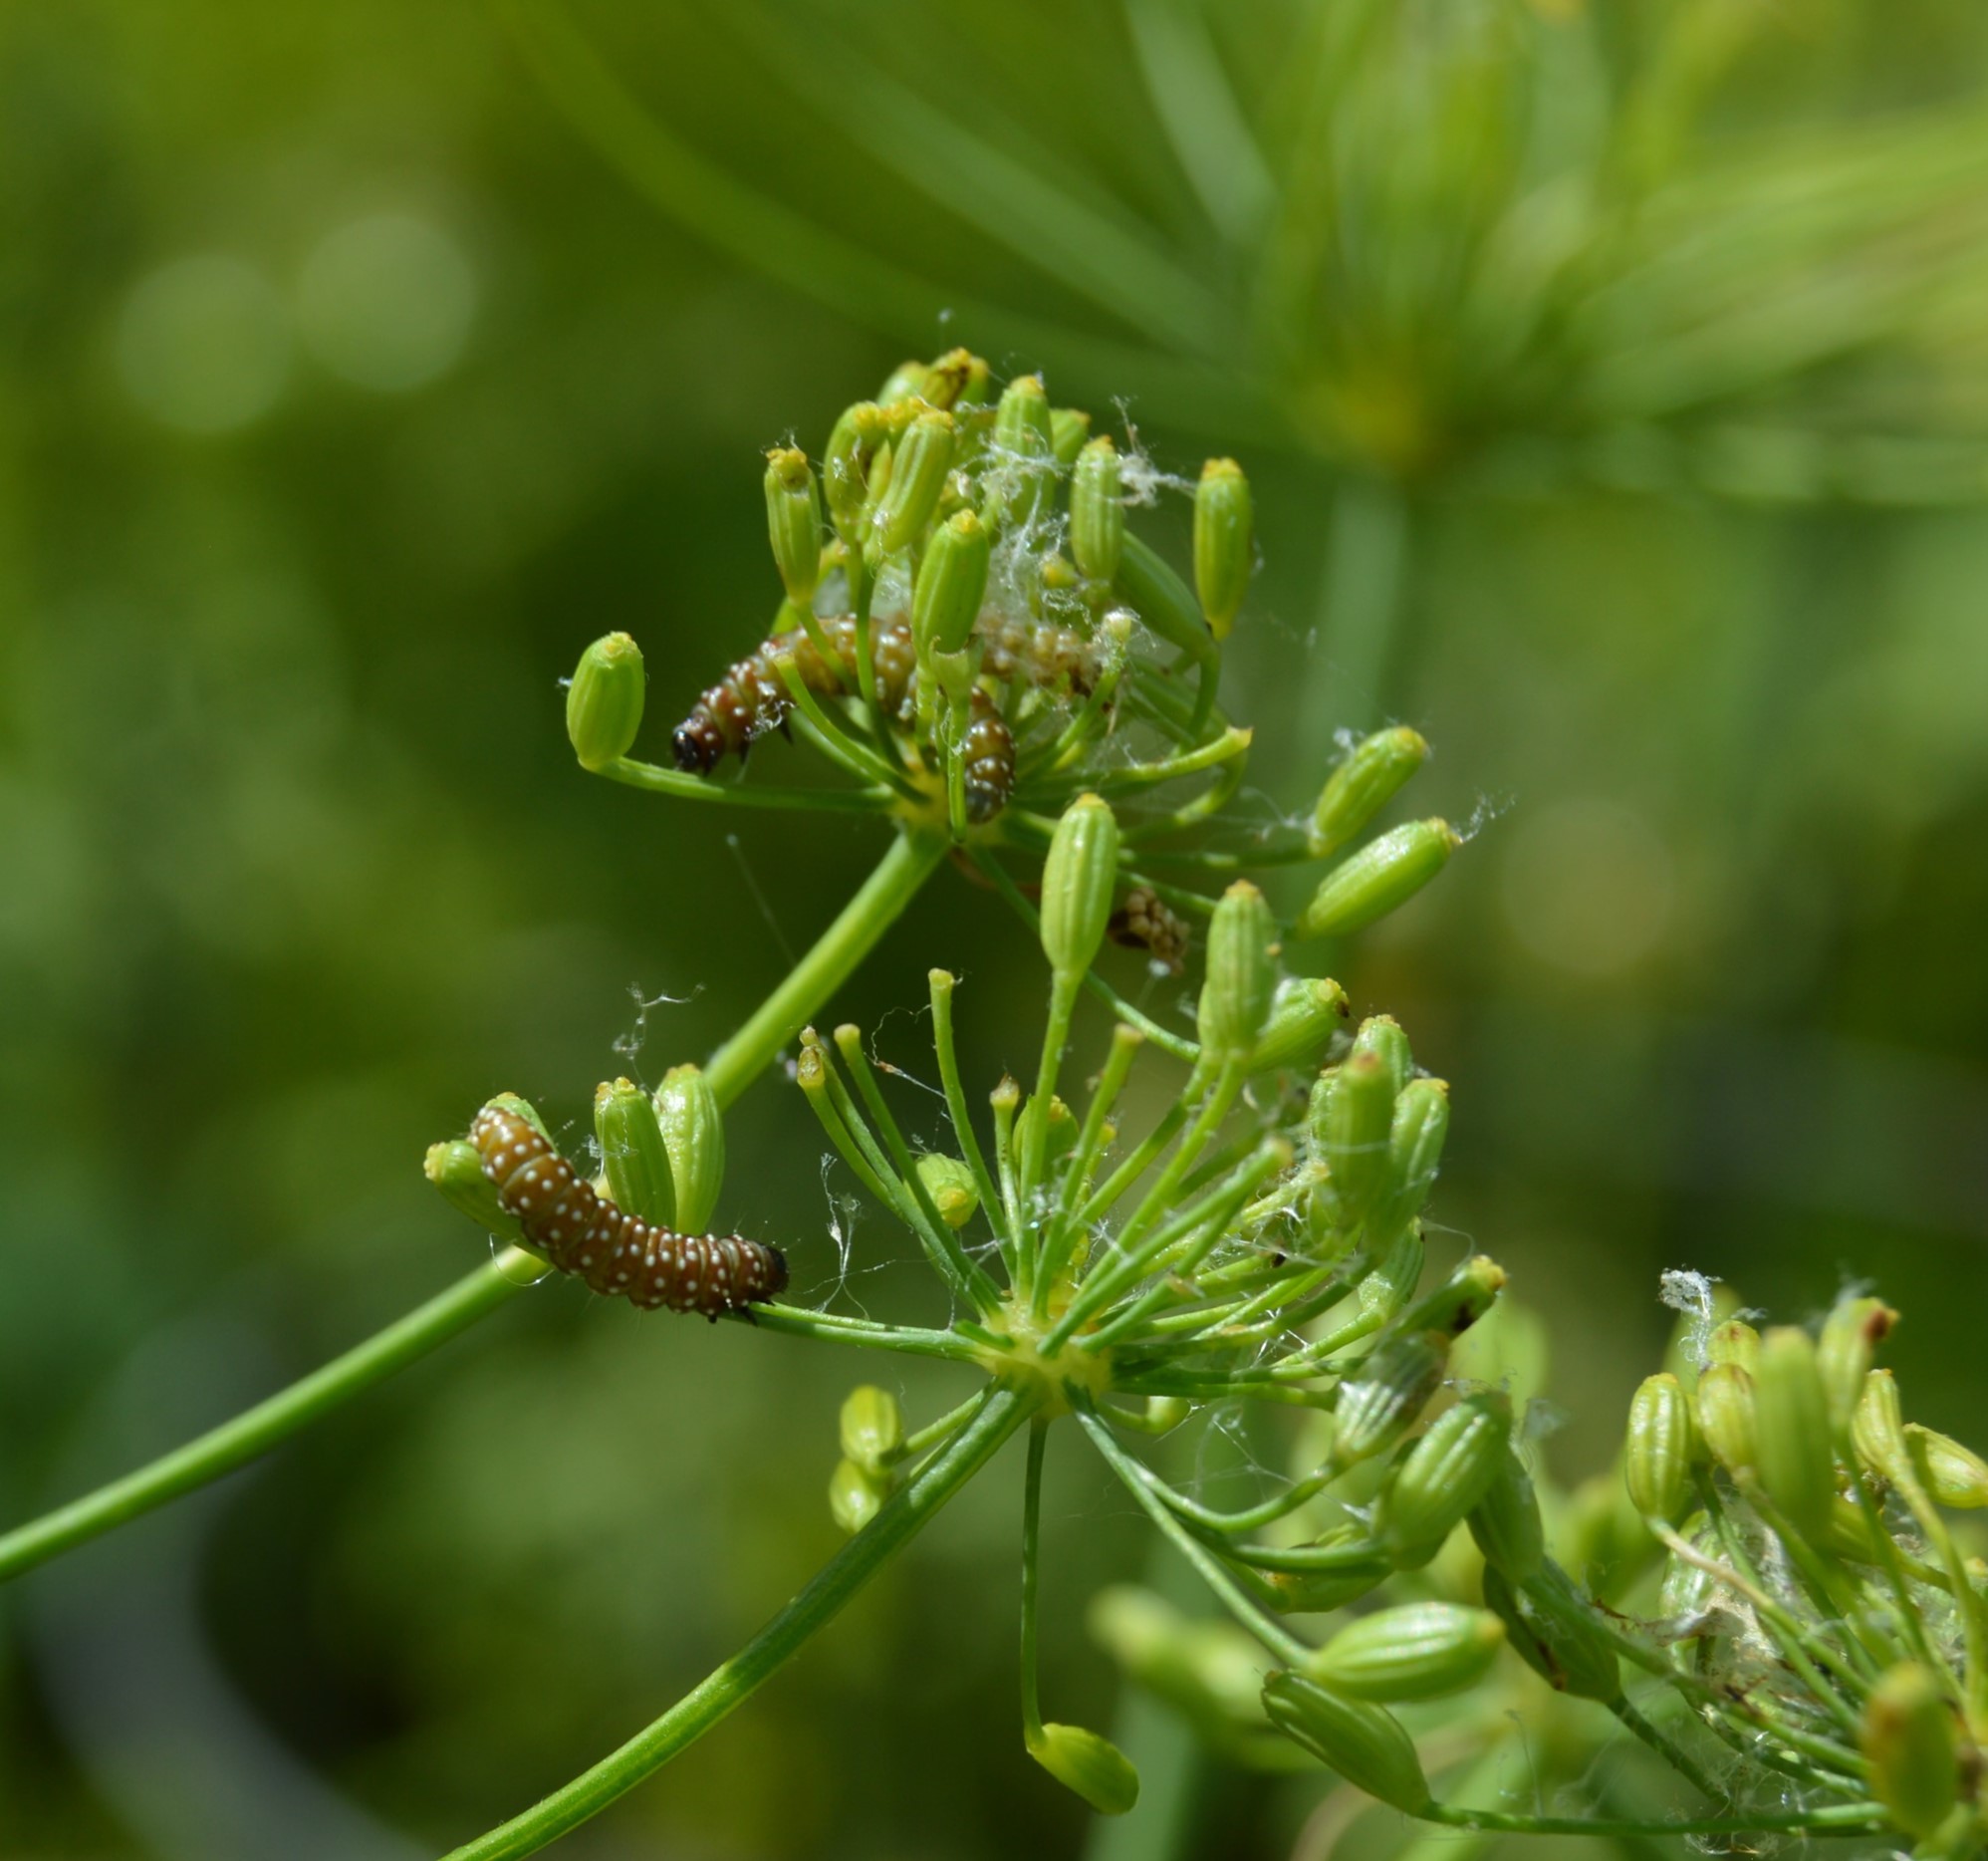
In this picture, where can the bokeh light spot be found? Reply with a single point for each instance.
(386, 302)
(203, 343)
(1588, 886)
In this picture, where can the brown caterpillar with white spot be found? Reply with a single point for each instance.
(1144, 922)
(750, 699)
(617, 1253)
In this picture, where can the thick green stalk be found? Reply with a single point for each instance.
(728, 1685)
(255, 1431)
(1841, 1819)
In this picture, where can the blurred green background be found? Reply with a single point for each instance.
(1615, 381)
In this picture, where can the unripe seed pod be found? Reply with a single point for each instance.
(1656, 1456)
(1079, 876)
(1383, 1291)
(845, 463)
(1419, 1651)
(951, 583)
(1460, 1301)
(633, 1158)
(872, 1428)
(1224, 543)
(1878, 1429)
(1097, 510)
(603, 703)
(918, 467)
(1383, 874)
(1313, 1592)
(456, 1169)
(693, 1132)
(1569, 1654)
(1379, 1401)
(1304, 1011)
(1734, 1342)
(1791, 1423)
(1951, 1475)
(1241, 977)
(1069, 428)
(794, 522)
(1850, 1336)
(1021, 476)
(1363, 784)
(1909, 1743)
(1358, 1103)
(1726, 1416)
(1363, 1743)
(1414, 1150)
(1445, 1474)
(854, 1497)
(950, 1184)
(1506, 1522)
(1092, 1766)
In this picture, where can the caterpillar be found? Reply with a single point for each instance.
(1143, 921)
(750, 699)
(617, 1253)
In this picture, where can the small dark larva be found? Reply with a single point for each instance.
(987, 761)
(618, 1254)
(1143, 922)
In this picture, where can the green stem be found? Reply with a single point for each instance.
(914, 857)
(729, 1685)
(658, 781)
(255, 1431)
(1032, 1518)
(1845, 1819)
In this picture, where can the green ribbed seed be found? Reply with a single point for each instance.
(1658, 1452)
(1734, 1342)
(1241, 974)
(957, 378)
(950, 1184)
(1304, 1013)
(1878, 1429)
(1382, 877)
(1362, 1742)
(854, 1497)
(693, 1132)
(1363, 784)
(1357, 1104)
(1851, 1337)
(1089, 1765)
(1416, 1137)
(1381, 1034)
(1021, 471)
(1506, 1522)
(1097, 510)
(1445, 1474)
(603, 703)
(1224, 543)
(1791, 1420)
(951, 583)
(794, 522)
(1381, 1401)
(1460, 1301)
(1418, 1651)
(1569, 1653)
(1908, 1742)
(1079, 877)
(906, 383)
(920, 462)
(859, 433)
(1068, 428)
(633, 1157)
(1724, 1399)
(1952, 1473)
(457, 1170)
(872, 1428)
(1312, 1592)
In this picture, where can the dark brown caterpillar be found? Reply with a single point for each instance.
(750, 699)
(1143, 921)
(617, 1253)
(987, 760)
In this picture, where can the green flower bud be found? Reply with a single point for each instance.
(1445, 1474)
(794, 522)
(1850, 1336)
(950, 1184)
(1363, 1743)
(845, 463)
(951, 583)
(1021, 474)
(1097, 510)
(633, 1158)
(1951, 1475)
(603, 703)
(1164, 1414)
(1092, 1766)
(693, 1132)
(1726, 1416)
(1363, 784)
(854, 1497)
(918, 467)
(1415, 1150)
(1656, 1456)
(1304, 1011)
(1069, 428)
(1224, 543)
(1506, 1521)
(1908, 1742)
(1792, 1428)
(1878, 1429)
(1419, 1651)
(1734, 1342)
(1079, 876)
(1383, 874)
(1460, 1301)
(1241, 977)
(1569, 1653)
(872, 1430)
(456, 1169)
(1379, 1403)
(1352, 1117)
